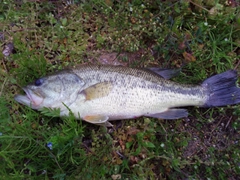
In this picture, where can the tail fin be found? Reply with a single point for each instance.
(222, 89)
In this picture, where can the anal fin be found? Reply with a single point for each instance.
(170, 114)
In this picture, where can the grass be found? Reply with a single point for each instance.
(201, 37)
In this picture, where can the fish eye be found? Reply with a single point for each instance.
(38, 82)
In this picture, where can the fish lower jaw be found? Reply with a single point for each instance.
(35, 100)
(25, 100)
(32, 100)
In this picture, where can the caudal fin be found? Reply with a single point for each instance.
(222, 89)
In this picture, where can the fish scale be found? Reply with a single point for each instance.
(140, 95)
(101, 93)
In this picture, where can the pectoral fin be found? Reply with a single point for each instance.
(97, 91)
(98, 119)
(170, 114)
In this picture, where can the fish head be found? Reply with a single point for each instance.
(54, 91)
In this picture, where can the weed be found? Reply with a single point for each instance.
(200, 37)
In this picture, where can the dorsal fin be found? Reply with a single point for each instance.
(165, 73)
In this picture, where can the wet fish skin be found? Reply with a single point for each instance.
(101, 93)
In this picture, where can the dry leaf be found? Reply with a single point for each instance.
(189, 57)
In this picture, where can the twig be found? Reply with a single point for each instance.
(228, 122)
(4, 82)
(199, 6)
(235, 68)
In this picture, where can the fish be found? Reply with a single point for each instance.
(101, 93)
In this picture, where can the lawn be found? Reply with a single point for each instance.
(40, 37)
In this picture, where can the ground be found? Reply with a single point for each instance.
(40, 37)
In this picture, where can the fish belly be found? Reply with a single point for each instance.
(128, 103)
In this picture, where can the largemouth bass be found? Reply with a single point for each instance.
(99, 94)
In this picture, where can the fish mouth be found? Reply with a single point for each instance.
(31, 99)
